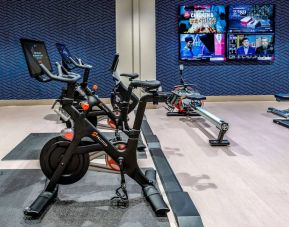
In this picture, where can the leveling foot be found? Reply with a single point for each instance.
(177, 114)
(41, 203)
(215, 143)
(153, 196)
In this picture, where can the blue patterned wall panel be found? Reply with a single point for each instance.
(86, 27)
(227, 78)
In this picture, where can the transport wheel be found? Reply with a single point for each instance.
(51, 155)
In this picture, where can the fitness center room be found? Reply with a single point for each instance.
(144, 113)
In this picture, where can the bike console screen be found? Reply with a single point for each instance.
(35, 53)
(114, 62)
(64, 53)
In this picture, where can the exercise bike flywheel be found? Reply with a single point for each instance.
(52, 154)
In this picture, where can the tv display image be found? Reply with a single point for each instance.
(202, 19)
(251, 18)
(206, 47)
(251, 47)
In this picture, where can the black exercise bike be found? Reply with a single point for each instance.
(65, 161)
(98, 108)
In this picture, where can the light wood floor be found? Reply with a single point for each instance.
(246, 184)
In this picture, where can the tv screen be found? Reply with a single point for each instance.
(207, 47)
(251, 18)
(202, 19)
(35, 53)
(251, 47)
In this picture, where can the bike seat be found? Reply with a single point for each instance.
(131, 76)
(195, 97)
(282, 97)
(148, 85)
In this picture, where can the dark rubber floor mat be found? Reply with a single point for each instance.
(85, 203)
(30, 147)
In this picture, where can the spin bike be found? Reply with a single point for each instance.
(66, 160)
(187, 101)
(82, 91)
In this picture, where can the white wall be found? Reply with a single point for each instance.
(135, 37)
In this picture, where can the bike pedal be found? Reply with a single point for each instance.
(119, 202)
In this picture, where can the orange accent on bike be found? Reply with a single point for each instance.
(110, 162)
(111, 123)
(84, 106)
(68, 135)
(94, 134)
(94, 87)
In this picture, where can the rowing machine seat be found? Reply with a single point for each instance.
(195, 97)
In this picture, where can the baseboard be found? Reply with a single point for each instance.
(240, 98)
(150, 105)
(32, 102)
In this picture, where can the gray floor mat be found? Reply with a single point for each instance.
(85, 203)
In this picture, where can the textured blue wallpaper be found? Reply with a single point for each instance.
(226, 78)
(86, 27)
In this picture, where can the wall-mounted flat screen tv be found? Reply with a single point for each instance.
(251, 18)
(251, 47)
(202, 19)
(206, 47)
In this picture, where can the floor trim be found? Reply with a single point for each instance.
(240, 98)
(183, 208)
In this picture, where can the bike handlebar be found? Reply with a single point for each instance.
(78, 63)
(68, 77)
